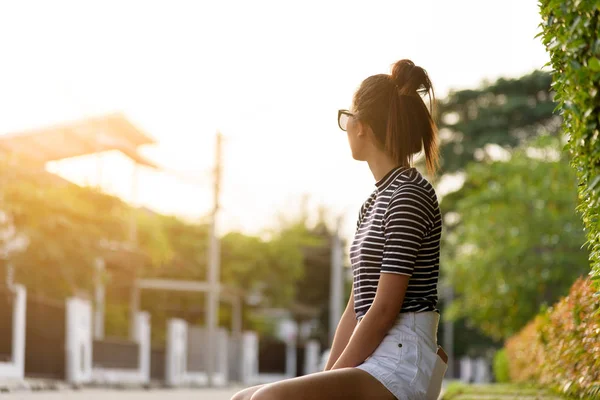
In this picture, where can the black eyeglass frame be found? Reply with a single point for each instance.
(343, 112)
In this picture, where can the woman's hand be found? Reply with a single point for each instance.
(377, 322)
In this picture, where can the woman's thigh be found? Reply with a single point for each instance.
(340, 384)
(246, 394)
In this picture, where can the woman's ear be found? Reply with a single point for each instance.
(363, 129)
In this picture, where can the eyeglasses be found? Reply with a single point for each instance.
(343, 118)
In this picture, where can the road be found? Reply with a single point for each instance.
(103, 394)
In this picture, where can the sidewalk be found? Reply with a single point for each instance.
(108, 394)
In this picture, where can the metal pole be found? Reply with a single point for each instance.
(135, 308)
(213, 268)
(135, 295)
(134, 199)
(449, 335)
(99, 295)
(336, 283)
(236, 323)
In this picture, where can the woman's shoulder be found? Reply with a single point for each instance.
(416, 184)
(418, 194)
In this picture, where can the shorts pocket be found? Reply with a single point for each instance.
(434, 369)
(410, 358)
(388, 352)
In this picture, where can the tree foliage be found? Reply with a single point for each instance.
(60, 227)
(506, 112)
(571, 34)
(517, 239)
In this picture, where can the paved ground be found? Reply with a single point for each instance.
(102, 394)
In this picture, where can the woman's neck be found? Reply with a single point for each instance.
(380, 166)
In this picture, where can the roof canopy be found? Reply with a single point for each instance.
(79, 138)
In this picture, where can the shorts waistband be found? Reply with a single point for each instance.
(423, 325)
(413, 318)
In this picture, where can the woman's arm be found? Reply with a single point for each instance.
(377, 321)
(405, 224)
(343, 332)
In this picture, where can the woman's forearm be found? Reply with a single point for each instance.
(368, 335)
(342, 336)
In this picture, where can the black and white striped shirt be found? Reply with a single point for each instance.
(398, 232)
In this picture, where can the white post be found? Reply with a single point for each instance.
(466, 370)
(311, 357)
(249, 350)
(176, 354)
(19, 329)
(336, 284)
(289, 333)
(78, 341)
(142, 337)
(222, 354)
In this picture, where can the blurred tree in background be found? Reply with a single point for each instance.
(59, 229)
(517, 239)
(490, 231)
(505, 113)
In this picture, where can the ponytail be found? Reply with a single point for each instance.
(394, 108)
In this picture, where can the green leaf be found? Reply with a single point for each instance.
(592, 185)
(594, 64)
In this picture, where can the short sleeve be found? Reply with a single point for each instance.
(405, 225)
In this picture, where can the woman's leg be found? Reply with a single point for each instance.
(247, 393)
(339, 384)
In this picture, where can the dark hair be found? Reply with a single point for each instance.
(394, 109)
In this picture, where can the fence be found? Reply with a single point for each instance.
(13, 309)
(117, 361)
(45, 338)
(115, 353)
(197, 362)
(6, 324)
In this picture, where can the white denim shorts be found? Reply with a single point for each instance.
(406, 361)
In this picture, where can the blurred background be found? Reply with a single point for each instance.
(179, 162)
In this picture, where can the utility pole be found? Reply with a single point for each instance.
(212, 305)
(133, 241)
(448, 338)
(336, 282)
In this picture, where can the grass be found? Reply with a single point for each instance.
(499, 391)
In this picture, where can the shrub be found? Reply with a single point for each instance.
(501, 371)
(561, 347)
(571, 34)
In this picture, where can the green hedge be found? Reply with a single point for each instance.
(571, 34)
(561, 347)
(501, 368)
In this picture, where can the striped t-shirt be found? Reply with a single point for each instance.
(398, 232)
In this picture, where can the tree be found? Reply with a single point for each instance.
(505, 113)
(62, 227)
(517, 239)
(248, 263)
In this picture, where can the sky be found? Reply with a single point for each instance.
(270, 75)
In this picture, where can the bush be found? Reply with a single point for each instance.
(561, 347)
(571, 34)
(501, 371)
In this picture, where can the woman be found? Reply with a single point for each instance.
(385, 345)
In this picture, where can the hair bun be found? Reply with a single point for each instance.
(410, 78)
